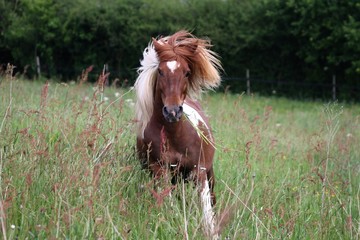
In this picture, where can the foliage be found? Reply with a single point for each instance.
(33, 31)
(285, 40)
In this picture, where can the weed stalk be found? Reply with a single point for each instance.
(332, 115)
(184, 210)
(8, 75)
(2, 212)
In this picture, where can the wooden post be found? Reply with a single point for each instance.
(106, 70)
(334, 87)
(248, 82)
(38, 66)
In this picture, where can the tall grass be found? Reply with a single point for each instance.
(284, 169)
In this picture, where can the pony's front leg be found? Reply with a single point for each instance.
(211, 179)
(158, 170)
(161, 187)
(201, 179)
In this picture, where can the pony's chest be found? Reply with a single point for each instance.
(182, 149)
(179, 147)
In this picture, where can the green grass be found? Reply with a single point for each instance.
(284, 169)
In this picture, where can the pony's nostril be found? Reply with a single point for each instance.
(180, 111)
(165, 111)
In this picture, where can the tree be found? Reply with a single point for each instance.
(286, 40)
(327, 31)
(32, 32)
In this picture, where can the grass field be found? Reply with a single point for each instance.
(285, 169)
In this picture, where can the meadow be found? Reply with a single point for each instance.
(285, 169)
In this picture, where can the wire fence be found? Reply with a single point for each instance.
(330, 90)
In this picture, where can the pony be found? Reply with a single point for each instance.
(173, 133)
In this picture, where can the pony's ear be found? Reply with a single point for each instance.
(154, 41)
(157, 44)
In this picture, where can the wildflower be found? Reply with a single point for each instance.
(106, 99)
(278, 125)
(130, 102)
(86, 98)
(117, 94)
(349, 135)
(12, 226)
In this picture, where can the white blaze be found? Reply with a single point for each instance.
(172, 65)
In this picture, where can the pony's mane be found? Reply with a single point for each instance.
(203, 63)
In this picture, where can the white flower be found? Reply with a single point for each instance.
(349, 135)
(117, 94)
(12, 226)
(278, 125)
(106, 99)
(86, 98)
(130, 102)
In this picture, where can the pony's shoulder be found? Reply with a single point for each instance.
(193, 103)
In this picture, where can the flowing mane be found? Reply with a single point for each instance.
(204, 65)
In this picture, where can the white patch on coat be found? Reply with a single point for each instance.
(195, 118)
(208, 214)
(172, 65)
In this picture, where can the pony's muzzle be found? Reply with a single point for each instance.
(172, 113)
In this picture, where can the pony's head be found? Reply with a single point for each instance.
(174, 67)
(173, 77)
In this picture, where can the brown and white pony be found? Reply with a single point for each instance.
(173, 133)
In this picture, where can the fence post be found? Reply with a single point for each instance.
(248, 81)
(38, 66)
(106, 70)
(334, 87)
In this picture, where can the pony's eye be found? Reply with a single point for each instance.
(160, 72)
(187, 74)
